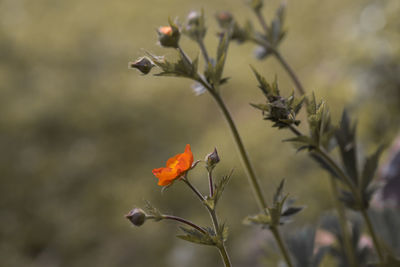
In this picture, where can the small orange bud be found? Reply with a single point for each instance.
(168, 36)
(167, 30)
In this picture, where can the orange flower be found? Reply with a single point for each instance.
(175, 167)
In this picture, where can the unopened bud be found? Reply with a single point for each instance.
(136, 216)
(224, 19)
(194, 26)
(168, 36)
(143, 64)
(212, 159)
(193, 18)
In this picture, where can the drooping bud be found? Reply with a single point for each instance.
(143, 64)
(136, 216)
(168, 36)
(212, 160)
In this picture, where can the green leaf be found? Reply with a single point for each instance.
(301, 139)
(370, 167)
(195, 236)
(220, 187)
(223, 232)
(263, 84)
(278, 193)
(153, 211)
(291, 211)
(259, 219)
(346, 138)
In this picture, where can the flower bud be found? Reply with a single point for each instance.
(143, 64)
(168, 36)
(212, 159)
(194, 27)
(224, 19)
(136, 216)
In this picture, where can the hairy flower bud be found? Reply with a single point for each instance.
(212, 159)
(143, 64)
(136, 216)
(168, 36)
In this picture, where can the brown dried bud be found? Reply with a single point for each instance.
(136, 216)
(143, 64)
(212, 159)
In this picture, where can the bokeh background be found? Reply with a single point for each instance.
(80, 132)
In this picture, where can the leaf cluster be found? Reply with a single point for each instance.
(279, 213)
(281, 111)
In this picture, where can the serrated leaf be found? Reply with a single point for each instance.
(262, 83)
(220, 187)
(195, 236)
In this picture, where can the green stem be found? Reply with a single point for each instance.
(278, 238)
(290, 71)
(373, 234)
(203, 50)
(348, 246)
(262, 21)
(224, 255)
(214, 219)
(253, 180)
(210, 181)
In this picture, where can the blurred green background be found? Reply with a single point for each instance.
(80, 132)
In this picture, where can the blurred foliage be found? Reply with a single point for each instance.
(80, 132)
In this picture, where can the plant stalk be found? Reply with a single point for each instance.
(282, 247)
(373, 234)
(348, 246)
(253, 180)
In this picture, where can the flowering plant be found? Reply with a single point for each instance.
(352, 186)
